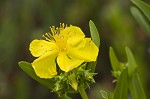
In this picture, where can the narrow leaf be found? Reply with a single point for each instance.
(113, 59)
(140, 19)
(131, 61)
(136, 89)
(94, 33)
(121, 90)
(27, 67)
(96, 39)
(144, 7)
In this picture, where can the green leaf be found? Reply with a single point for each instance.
(144, 7)
(136, 89)
(121, 90)
(96, 39)
(131, 61)
(113, 59)
(104, 94)
(94, 33)
(27, 67)
(140, 19)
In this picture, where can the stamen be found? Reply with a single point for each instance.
(48, 36)
(57, 30)
(62, 25)
(53, 30)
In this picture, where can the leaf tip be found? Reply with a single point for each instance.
(20, 62)
(127, 49)
(110, 48)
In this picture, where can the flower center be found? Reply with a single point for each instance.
(61, 42)
(56, 37)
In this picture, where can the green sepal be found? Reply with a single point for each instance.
(73, 81)
(69, 82)
(91, 66)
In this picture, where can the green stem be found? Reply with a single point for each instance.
(83, 93)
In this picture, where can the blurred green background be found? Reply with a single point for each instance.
(21, 21)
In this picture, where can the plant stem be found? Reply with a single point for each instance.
(83, 93)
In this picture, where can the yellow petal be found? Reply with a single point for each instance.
(45, 66)
(72, 34)
(65, 63)
(39, 47)
(86, 50)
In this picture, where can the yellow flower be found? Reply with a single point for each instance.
(65, 45)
